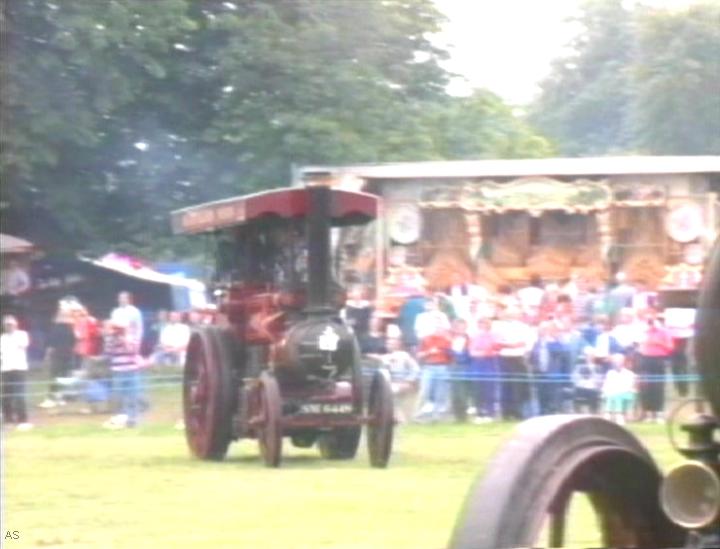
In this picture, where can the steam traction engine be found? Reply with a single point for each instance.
(523, 499)
(278, 361)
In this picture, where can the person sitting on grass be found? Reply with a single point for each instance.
(619, 389)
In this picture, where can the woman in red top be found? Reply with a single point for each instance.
(435, 355)
(656, 345)
(87, 335)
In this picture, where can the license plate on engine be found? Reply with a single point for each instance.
(325, 408)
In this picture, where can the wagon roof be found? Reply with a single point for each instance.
(347, 208)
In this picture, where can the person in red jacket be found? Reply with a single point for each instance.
(87, 335)
(435, 356)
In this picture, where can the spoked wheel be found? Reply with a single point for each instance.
(528, 486)
(343, 442)
(382, 421)
(270, 423)
(208, 393)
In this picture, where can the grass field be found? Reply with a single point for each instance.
(69, 483)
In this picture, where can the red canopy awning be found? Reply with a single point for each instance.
(347, 208)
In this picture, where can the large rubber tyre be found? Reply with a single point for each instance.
(270, 433)
(343, 442)
(381, 424)
(707, 339)
(209, 393)
(529, 482)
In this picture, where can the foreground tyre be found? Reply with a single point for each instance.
(208, 393)
(381, 419)
(270, 425)
(528, 486)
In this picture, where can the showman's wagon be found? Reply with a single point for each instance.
(277, 360)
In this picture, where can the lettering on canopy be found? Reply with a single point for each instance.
(531, 194)
(210, 216)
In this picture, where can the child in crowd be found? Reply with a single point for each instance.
(619, 389)
(586, 380)
(405, 373)
(121, 353)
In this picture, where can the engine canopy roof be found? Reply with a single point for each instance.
(346, 208)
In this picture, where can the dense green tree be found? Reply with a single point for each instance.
(676, 105)
(116, 112)
(584, 100)
(636, 80)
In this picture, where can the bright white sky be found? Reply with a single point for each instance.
(507, 45)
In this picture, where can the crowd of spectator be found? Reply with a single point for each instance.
(532, 350)
(98, 363)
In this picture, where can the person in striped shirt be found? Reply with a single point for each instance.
(120, 351)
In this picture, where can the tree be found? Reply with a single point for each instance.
(636, 80)
(676, 105)
(584, 100)
(118, 112)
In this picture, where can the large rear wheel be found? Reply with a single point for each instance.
(208, 393)
(526, 492)
(707, 342)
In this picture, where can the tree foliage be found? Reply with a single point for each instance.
(636, 80)
(116, 112)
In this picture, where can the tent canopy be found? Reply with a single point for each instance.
(14, 245)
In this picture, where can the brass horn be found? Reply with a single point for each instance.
(690, 495)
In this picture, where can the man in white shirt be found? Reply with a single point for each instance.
(126, 314)
(13, 367)
(173, 341)
(515, 339)
(427, 323)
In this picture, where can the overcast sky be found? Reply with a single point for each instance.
(507, 45)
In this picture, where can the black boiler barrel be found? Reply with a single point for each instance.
(318, 241)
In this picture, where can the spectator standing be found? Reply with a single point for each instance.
(86, 330)
(373, 342)
(531, 297)
(59, 353)
(128, 315)
(173, 341)
(483, 349)
(413, 306)
(461, 382)
(405, 375)
(618, 390)
(13, 366)
(358, 311)
(427, 322)
(627, 331)
(587, 381)
(435, 355)
(605, 345)
(550, 362)
(656, 345)
(514, 338)
(620, 296)
(120, 349)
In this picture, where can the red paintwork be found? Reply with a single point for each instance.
(286, 203)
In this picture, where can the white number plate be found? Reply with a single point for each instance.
(326, 408)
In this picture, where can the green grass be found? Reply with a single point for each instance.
(69, 483)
